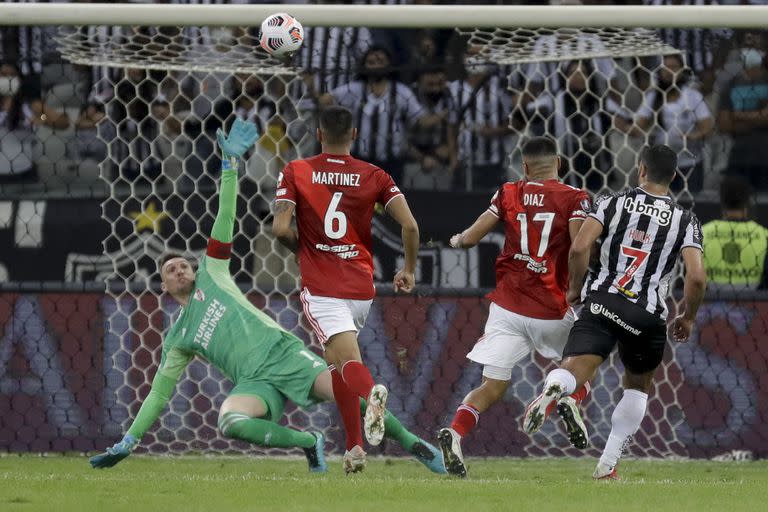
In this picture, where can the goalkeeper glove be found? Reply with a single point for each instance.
(241, 137)
(114, 454)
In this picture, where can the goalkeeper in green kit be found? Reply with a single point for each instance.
(267, 364)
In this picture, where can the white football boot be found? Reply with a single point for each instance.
(568, 410)
(537, 411)
(450, 444)
(373, 425)
(605, 472)
(354, 460)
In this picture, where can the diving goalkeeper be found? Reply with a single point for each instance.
(267, 364)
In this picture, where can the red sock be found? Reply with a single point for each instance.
(349, 407)
(465, 420)
(581, 393)
(357, 378)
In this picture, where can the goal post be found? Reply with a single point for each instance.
(167, 76)
(389, 16)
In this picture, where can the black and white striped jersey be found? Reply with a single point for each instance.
(486, 105)
(641, 241)
(699, 45)
(332, 54)
(382, 121)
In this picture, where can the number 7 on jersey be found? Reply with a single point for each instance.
(638, 257)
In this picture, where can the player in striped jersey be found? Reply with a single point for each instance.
(642, 233)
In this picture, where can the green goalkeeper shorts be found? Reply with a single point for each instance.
(288, 373)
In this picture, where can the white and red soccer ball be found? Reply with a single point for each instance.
(281, 35)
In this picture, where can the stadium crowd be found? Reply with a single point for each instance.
(428, 108)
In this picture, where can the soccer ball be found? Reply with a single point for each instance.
(281, 35)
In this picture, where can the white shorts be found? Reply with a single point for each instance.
(329, 316)
(510, 337)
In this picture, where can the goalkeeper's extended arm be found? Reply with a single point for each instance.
(241, 137)
(163, 384)
(153, 405)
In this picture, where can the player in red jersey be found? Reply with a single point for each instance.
(333, 195)
(528, 309)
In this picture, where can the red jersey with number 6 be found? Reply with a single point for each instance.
(335, 196)
(532, 269)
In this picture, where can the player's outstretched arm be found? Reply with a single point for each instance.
(163, 384)
(578, 257)
(471, 236)
(398, 208)
(233, 146)
(162, 388)
(693, 292)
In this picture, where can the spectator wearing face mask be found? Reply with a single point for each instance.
(383, 109)
(579, 124)
(744, 115)
(433, 153)
(484, 136)
(675, 114)
(134, 128)
(20, 114)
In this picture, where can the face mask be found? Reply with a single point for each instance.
(222, 35)
(434, 97)
(479, 68)
(9, 85)
(376, 74)
(664, 85)
(752, 57)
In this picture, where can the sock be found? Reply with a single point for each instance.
(263, 432)
(347, 403)
(625, 421)
(465, 420)
(357, 378)
(581, 393)
(394, 430)
(563, 377)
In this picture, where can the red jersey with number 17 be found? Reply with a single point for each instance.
(532, 269)
(335, 196)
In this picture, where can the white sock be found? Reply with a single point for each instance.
(565, 378)
(625, 421)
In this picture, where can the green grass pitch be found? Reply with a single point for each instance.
(167, 484)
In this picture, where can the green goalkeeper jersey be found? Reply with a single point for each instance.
(218, 323)
(221, 325)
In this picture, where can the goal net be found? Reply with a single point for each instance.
(155, 100)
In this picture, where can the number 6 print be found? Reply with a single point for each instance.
(331, 214)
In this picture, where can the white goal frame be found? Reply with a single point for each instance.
(389, 16)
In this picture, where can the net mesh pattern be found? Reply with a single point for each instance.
(525, 45)
(227, 49)
(162, 95)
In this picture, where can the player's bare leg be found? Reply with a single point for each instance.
(322, 389)
(625, 421)
(241, 416)
(342, 350)
(573, 373)
(464, 421)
